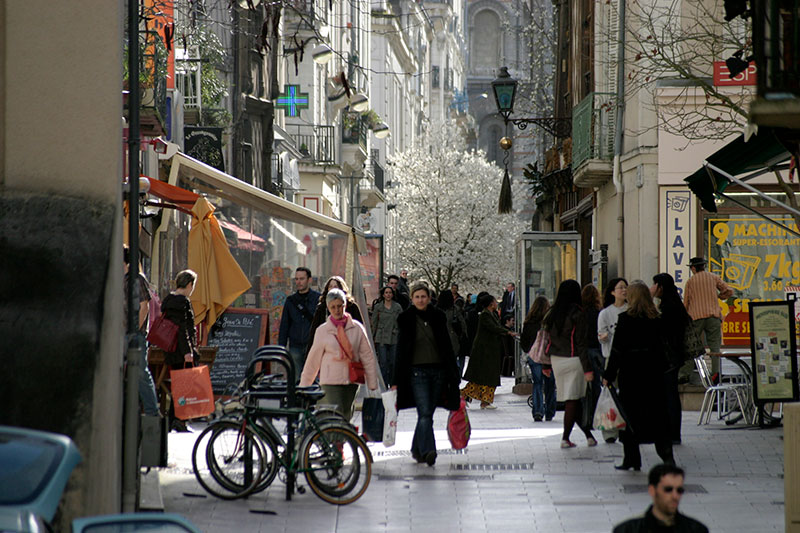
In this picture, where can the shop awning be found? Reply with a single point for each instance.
(226, 186)
(244, 239)
(761, 153)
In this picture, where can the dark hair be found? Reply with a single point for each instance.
(506, 317)
(419, 286)
(445, 300)
(567, 297)
(304, 269)
(699, 267)
(671, 306)
(126, 254)
(391, 277)
(383, 289)
(537, 311)
(184, 278)
(664, 469)
(485, 300)
(479, 299)
(590, 297)
(608, 298)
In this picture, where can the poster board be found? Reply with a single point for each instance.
(774, 351)
(243, 330)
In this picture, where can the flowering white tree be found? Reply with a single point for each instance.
(449, 230)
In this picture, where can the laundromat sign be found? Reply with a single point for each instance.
(676, 233)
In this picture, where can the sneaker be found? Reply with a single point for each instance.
(567, 444)
(488, 406)
(591, 442)
(537, 418)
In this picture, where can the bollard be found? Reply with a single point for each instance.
(791, 466)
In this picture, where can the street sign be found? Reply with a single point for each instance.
(722, 77)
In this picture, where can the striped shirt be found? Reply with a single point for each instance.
(703, 290)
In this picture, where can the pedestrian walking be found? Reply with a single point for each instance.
(508, 303)
(665, 486)
(298, 313)
(639, 360)
(483, 370)
(147, 388)
(567, 330)
(542, 384)
(703, 292)
(385, 313)
(400, 293)
(456, 324)
(675, 320)
(177, 308)
(590, 302)
(459, 323)
(321, 312)
(614, 302)
(339, 341)
(426, 374)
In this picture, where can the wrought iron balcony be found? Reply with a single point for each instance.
(593, 131)
(354, 129)
(316, 142)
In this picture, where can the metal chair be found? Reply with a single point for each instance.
(721, 393)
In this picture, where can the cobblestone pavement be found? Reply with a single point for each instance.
(512, 477)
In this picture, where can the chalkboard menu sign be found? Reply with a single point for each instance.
(243, 330)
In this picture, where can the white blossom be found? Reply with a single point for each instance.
(448, 229)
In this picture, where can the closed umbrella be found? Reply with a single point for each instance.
(220, 280)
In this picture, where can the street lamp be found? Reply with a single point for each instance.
(504, 88)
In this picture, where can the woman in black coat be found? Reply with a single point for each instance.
(426, 372)
(639, 361)
(483, 371)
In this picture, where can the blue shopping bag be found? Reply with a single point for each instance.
(372, 414)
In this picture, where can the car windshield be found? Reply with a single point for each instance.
(26, 465)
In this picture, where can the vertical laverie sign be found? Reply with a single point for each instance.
(774, 349)
(676, 233)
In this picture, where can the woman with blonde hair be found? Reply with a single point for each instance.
(638, 361)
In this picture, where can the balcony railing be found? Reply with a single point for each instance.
(354, 129)
(593, 128)
(316, 142)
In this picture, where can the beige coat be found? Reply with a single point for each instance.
(325, 359)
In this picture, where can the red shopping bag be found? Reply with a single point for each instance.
(458, 427)
(192, 396)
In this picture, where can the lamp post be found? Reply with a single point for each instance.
(504, 88)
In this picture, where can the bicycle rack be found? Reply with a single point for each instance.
(277, 354)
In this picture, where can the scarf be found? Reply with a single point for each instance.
(346, 349)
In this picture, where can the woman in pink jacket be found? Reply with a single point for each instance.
(337, 341)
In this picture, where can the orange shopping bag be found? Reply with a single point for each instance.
(192, 396)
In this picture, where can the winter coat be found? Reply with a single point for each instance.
(298, 313)
(487, 350)
(570, 341)
(178, 309)
(649, 524)
(384, 322)
(321, 314)
(456, 327)
(407, 323)
(528, 335)
(325, 357)
(639, 361)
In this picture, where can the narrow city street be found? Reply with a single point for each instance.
(512, 477)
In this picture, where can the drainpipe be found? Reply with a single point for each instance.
(617, 172)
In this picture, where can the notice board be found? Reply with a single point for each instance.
(243, 330)
(774, 348)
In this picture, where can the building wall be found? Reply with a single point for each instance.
(60, 180)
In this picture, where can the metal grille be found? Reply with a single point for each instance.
(493, 466)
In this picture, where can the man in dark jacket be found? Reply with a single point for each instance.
(298, 312)
(665, 485)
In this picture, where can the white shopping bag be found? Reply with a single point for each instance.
(390, 417)
(607, 415)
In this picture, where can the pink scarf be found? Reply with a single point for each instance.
(344, 343)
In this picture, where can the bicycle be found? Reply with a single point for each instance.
(244, 454)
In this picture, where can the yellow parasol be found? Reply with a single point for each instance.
(220, 280)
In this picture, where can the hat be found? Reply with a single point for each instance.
(695, 261)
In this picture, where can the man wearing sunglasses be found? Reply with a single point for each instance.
(665, 485)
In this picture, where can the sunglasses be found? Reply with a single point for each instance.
(679, 490)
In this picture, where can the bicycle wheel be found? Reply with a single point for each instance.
(218, 459)
(272, 449)
(337, 464)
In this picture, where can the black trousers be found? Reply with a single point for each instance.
(633, 457)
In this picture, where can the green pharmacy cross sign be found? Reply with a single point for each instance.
(292, 100)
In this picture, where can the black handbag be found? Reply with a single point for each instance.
(587, 408)
(372, 415)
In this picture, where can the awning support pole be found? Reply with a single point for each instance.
(765, 217)
(750, 188)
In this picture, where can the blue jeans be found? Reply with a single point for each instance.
(386, 358)
(426, 386)
(147, 389)
(542, 384)
(298, 355)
